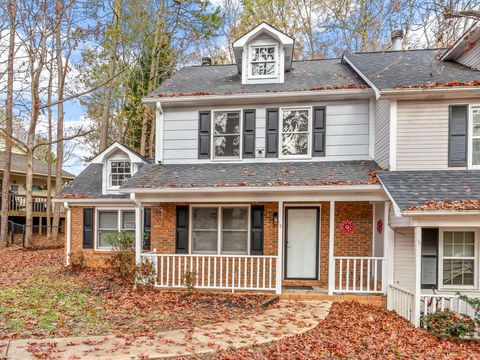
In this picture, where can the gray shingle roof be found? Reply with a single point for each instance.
(158, 176)
(225, 80)
(88, 184)
(415, 188)
(19, 165)
(410, 68)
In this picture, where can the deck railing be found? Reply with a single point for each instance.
(359, 274)
(227, 272)
(18, 204)
(401, 301)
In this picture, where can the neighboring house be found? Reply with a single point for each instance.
(356, 175)
(17, 191)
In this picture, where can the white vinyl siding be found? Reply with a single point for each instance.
(382, 133)
(346, 135)
(471, 58)
(404, 259)
(422, 133)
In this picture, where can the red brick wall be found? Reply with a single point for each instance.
(164, 222)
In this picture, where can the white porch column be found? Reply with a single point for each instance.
(68, 234)
(388, 252)
(138, 231)
(279, 267)
(331, 252)
(417, 251)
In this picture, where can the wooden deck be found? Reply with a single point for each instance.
(17, 206)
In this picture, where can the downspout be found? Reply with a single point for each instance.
(67, 234)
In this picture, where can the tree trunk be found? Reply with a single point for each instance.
(12, 12)
(107, 102)
(49, 158)
(60, 114)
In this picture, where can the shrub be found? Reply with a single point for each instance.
(474, 303)
(122, 260)
(146, 274)
(189, 280)
(77, 261)
(449, 324)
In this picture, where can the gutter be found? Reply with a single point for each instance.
(90, 200)
(440, 212)
(255, 189)
(255, 96)
(461, 91)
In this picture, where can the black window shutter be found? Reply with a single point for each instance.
(204, 135)
(272, 133)
(429, 273)
(88, 228)
(318, 131)
(147, 228)
(248, 133)
(181, 246)
(458, 139)
(256, 238)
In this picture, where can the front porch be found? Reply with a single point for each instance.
(292, 244)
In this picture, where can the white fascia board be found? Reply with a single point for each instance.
(363, 76)
(252, 189)
(92, 201)
(354, 93)
(283, 38)
(99, 159)
(419, 93)
(396, 208)
(470, 36)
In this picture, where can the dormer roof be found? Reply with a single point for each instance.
(465, 43)
(133, 156)
(264, 28)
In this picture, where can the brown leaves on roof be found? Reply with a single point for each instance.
(459, 205)
(320, 88)
(73, 196)
(440, 85)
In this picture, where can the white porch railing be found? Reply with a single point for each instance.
(227, 272)
(359, 274)
(401, 301)
(431, 303)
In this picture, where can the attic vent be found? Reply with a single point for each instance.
(206, 61)
(397, 40)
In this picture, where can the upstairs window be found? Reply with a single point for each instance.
(263, 61)
(295, 134)
(226, 135)
(476, 136)
(120, 170)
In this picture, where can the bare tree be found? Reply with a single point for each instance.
(12, 15)
(105, 120)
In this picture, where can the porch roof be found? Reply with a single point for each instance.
(417, 191)
(268, 174)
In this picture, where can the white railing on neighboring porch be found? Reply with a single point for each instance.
(228, 272)
(431, 303)
(401, 301)
(359, 274)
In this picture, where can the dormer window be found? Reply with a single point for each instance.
(263, 61)
(120, 170)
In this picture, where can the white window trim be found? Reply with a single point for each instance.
(119, 224)
(441, 286)
(109, 172)
(219, 227)
(471, 107)
(280, 133)
(250, 67)
(212, 136)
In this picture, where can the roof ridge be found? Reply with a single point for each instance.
(393, 51)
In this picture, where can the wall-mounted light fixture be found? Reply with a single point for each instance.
(275, 218)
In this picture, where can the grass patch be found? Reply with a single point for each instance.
(43, 306)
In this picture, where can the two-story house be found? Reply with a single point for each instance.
(353, 175)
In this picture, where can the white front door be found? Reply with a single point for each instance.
(301, 240)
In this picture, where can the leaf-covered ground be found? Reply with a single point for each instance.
(40, 298)
(355, 331)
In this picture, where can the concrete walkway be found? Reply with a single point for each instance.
(286, 319)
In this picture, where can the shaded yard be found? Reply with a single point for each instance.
(355, 331)
(40, 298)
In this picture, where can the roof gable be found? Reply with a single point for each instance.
(114, 148)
